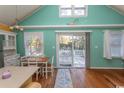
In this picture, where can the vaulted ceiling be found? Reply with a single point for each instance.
(8, 13)
(118, 8)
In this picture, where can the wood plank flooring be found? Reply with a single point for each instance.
(87, 78)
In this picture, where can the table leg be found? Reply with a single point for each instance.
(37, 75)
(46, 70)
(26, 82)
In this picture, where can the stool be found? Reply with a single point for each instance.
(34, 85)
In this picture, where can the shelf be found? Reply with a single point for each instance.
(14, 48)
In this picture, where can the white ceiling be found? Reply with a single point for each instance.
(8, 13)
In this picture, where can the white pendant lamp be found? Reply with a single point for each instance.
(16, 26)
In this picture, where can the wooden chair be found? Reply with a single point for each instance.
(23, 59)
(31, 61)
(50, 67)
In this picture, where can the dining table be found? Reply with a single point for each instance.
(19, 76)
(40, 61)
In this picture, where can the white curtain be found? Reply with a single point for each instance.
(107, 48)
(33, 42)
(122, 46)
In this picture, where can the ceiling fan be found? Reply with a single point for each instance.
(16, 26)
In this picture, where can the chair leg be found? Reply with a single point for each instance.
(52, 71)
(37, 75)
(40, 71)
(43, 71)
(46, 73)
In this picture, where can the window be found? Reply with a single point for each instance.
(115, 43)
(73, 10)
(33, 43)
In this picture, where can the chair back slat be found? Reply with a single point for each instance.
(32, 61)
(52, 60)
(23, 59)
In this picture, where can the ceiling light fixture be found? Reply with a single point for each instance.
(16, 26)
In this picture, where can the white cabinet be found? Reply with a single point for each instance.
(9, 40)
(9, 49)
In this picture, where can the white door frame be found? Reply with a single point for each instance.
(57, 43)
(57, 46)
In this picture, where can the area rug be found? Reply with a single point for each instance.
(63, 79)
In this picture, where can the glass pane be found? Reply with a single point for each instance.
(79, 50)
(65, 50)
(79, 12)
(66, 6)
(33, 43)
(116, 39)
(9, 37)
(4, 41)
(13, 41)
(115, 51)
(65, 12)
(116, 43)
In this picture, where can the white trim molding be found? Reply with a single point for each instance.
(106, 68)
(72, 26)
(75, 31)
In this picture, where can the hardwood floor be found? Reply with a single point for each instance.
(49, 82)
(89, 78)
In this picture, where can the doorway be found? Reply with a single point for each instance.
(71, 49)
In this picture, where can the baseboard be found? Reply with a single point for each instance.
(62, 67)
(106, 68)
(99, 67)
(69, 67)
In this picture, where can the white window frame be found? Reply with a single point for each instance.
(42, 43)
(73, 16)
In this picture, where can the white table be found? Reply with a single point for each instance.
(20, 76)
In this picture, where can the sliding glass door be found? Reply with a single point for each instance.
(65, 52)
(79, 49)
(71, 49)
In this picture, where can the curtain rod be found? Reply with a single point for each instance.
(72, 26)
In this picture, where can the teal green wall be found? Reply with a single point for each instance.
(97, 14)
